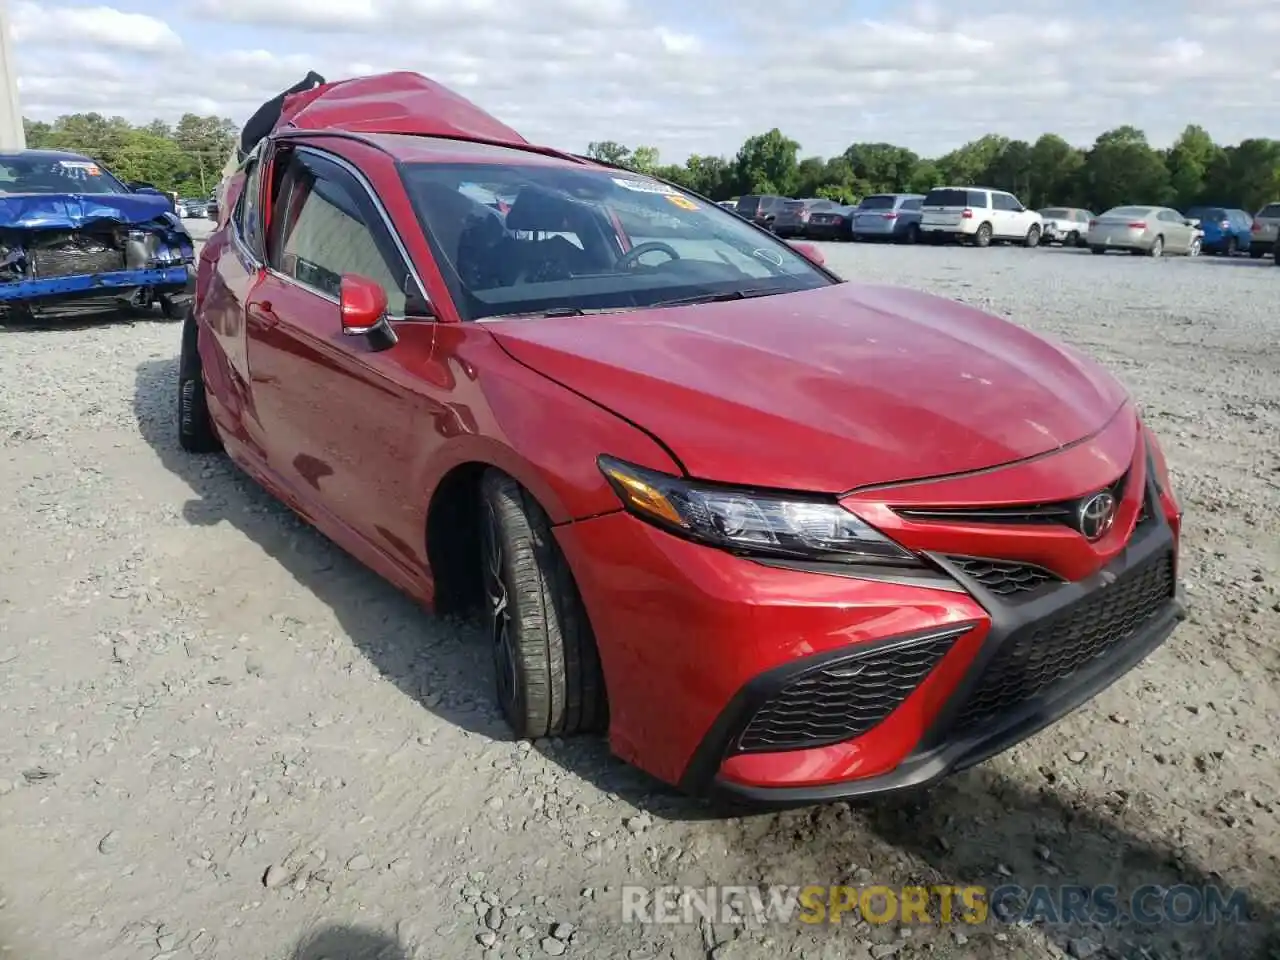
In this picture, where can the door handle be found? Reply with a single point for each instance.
(262, 314)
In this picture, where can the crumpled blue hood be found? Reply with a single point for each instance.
(69, 211)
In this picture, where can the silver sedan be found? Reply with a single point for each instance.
(1153, 231)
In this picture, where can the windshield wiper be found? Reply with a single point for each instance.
(716, 297)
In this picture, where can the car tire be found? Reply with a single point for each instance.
(1256, 253)
(1157, 247)
(1032, 239)
(983, 237)
(1098, 251)
(547, 669)
(1073, 239)
(1193, 250)
(196, 432)
(1232, 245)
(912, 235)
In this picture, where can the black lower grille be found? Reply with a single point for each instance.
(73, 262)
(1003, 577)
(845, 698)
(1051, 650)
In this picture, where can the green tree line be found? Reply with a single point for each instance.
(186, 157)
(1120, 167)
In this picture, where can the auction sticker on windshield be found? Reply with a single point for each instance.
(684, 203)
(646, 186)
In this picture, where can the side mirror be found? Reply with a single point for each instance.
(810, 253)
(363, 304)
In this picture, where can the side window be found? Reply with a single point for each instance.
(1002, 201)
(248, 213)
(1168, 215)
(325, 226)
(978, 199)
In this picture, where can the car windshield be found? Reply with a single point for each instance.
(567, 239)
(43, 174)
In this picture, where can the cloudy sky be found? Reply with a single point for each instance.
(688, 77)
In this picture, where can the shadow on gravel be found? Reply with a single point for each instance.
(442, 663)
(348, 943)
(977, 828)
(120, 318)
(981, 828)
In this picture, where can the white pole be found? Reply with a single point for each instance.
(12, 136)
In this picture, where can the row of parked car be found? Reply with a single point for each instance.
(982, 215)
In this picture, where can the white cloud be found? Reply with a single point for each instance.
(33, 23)
(687, 78)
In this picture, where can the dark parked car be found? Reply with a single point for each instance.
(888, 216)
(75, 240)
(761, 209)
(793, 220)
(832, 224)
(783, 536)
(1227, 231)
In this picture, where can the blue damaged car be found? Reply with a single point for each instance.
(76, 241)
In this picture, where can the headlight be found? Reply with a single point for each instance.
(747, 522)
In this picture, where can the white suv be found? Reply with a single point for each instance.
(978, 214)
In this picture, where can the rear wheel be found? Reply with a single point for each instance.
(1231, 247)
(545, 661)
(913, 234)
(983, 237)
(1256, 253)
(1157, 248)
(196, 433)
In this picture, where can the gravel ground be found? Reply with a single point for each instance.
(224, 739)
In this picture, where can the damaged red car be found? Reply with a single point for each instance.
(785, 538)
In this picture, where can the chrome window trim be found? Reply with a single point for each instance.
(364, 183)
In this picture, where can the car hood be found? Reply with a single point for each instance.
(68, 211)
(826, 390)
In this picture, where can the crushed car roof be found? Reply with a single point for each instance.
(400, 102)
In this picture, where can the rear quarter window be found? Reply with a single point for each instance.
(978, 198)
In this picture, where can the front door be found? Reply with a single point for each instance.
(343, 422)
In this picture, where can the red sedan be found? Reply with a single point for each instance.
(784, 537)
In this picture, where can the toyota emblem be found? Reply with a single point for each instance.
(1095, 516)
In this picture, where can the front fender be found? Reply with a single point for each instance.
(542, 434)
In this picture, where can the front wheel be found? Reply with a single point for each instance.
(1032, 238)
(546, 665)
(1194, 249)
(1097, 251)
(196, 433)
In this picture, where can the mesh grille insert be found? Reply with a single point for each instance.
(845, 698)
(1051, 650)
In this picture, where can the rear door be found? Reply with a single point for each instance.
(345, 424)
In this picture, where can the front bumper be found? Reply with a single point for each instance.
(695, 642)
(178, 279)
